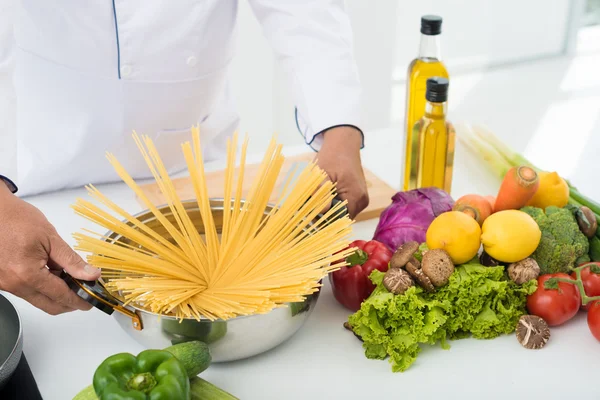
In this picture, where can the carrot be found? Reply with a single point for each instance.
(491, 200)
(517, 188)
(474, 205)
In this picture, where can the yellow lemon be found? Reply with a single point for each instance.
(553, 191)
(457, 233)
(510, 235)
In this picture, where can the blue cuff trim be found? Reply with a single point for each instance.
(117, 36)
(362, 134)
(11, 185)
(303, 133)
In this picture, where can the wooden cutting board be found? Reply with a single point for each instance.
(380, 193)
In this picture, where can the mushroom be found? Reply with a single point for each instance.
(416, 263)
(523, 271)
(586, 221)
(420, 277)
(403, 254)
(438, 266)
(397, 280)
(532, 332)
(347, 326)
(487, 260)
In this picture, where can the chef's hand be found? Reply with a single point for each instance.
(32, 255)
(340, 158)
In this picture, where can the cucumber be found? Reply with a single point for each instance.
(86, 394)
(199, 388)
(195, 356)
(595, 248)
(204, 390)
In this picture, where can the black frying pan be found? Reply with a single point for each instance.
(11, 340)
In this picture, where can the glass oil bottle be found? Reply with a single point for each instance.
(426, 65)
(433, 149)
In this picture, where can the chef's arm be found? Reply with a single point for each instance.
(312, 40)
(32, 255)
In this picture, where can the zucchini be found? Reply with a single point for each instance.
(204, 390)
(86, 394)
(595, 248)
(199, 388)
(195, 356)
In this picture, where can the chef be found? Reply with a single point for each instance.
(77, 77)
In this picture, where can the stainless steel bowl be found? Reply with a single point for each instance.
(229, 340)
(11, 340)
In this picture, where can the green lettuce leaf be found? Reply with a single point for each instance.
(478, 301)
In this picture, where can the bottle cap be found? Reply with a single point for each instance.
(431, 25)
(437, 89)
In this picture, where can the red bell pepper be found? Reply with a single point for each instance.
(351, 284)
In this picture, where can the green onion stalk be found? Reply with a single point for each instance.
(500, 158)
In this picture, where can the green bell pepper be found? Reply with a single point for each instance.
(152, 375)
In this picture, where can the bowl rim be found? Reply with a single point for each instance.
(19, 340)
(145, 312)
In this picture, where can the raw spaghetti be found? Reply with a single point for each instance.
(252, 264)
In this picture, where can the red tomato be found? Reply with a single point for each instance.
(593, 319)
(555, 306)
(591, 282)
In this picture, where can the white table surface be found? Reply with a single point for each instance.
(323, 360)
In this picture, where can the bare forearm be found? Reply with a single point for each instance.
(4, 189)
(346, 137)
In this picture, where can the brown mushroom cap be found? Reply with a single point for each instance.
(532, 332)
(586, 221)
(347, 326)
(487, 260)
(397, 280)
(403, 254)
(416, 263)
(438, 266)
(420, 277)
(523, 271)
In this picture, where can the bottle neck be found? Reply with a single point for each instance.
(430, 47)
(436, 110)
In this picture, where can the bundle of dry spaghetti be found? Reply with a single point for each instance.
(255, 262)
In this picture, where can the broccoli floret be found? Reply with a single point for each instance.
(562, 244)
(536, 213)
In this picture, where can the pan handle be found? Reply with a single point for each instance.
(96, 294)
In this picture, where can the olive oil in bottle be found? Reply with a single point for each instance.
(426, 65)
(435, 137)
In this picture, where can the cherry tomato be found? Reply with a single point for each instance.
(593, 319)
(591, 282)
(555, 306)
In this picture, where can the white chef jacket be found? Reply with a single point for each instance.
(86, 74)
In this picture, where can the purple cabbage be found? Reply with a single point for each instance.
(410, 214)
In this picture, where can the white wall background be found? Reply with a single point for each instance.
(476, 34)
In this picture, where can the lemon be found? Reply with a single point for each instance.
(510, 235)
(553, 191)
(457, 233)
